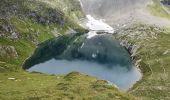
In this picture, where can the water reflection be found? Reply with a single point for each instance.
(121, 76)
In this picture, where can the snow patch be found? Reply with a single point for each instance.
(91, 34)
(98, 25)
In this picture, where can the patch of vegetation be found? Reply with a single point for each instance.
(154, 53)
(157, 9)
(74, 86)
(71, 8)
(22, 29)
(24, 24)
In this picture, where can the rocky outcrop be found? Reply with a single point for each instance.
(8, 52)
(42, 12)
(7, 30)
(132, 48)
(138, 32)
(132, 39)
(49, 16)
(26, 23)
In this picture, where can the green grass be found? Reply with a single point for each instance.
(73, 86)
(36, 86)
(157, 10)
(155, 64)
(30, 30)
(71, 8)
(155, 84)
(24, 49)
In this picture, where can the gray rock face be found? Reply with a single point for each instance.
(7, 30)
(8, 52)
(49, 16)
(115, 12)
(41, 14)
(130, 47)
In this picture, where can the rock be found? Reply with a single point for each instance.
(49, 16)
(2, 34)
(72, 76)
(11, 78)
(130, 47)
(14, 35)
(8, 30)
(103, 82)
(112, 84)
(141, 32)
(8, 52)
(70, 31)
(166, 52)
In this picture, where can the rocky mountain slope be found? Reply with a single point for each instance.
(152, 56)
(23, 25)
(145, 33)
(121, 13)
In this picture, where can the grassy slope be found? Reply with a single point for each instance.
(154, 51)
(33, 86)
(73, 86)
(154, 85)
(67, 6)
(29, 31)
(157, 10)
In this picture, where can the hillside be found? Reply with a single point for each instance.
(35, 30)
(152, 57)
(23, 25)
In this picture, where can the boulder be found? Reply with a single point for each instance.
(8, 52)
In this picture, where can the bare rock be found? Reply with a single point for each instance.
(8, 52)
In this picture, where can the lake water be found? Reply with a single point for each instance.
(121, 76)
(97, 46)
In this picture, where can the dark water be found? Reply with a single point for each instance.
(121, 76)
(98, 55)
